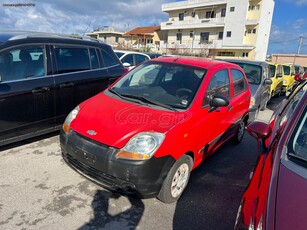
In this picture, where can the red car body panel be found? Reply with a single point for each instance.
(276, 196)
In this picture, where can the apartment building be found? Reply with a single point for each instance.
(219, 28)
(108, 35)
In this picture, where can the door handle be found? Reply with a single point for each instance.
(67, 85)
(40, 90)
(229, 107)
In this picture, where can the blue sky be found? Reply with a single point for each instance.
(78, 16)
(289, 23)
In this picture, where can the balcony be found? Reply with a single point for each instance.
(193, 24)
(191, 4)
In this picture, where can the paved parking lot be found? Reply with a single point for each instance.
(39, 191)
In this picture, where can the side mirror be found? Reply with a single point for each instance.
(261, 131)
(268, 81)
(126, 65)
(218, 101)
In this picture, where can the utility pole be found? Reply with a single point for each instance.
(299, 45)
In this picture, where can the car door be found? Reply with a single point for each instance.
(26, 92)
(79, 75)
(212, 125)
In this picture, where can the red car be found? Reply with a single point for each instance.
(276, 195)
(144, 135)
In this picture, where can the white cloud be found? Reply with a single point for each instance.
(65, 16)
(298, 2)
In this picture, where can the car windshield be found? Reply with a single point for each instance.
(252, 72)
(273, 69)
(286, 69)
(168, 85)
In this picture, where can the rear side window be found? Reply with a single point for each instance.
(94, 59)
(23, 62)
(72, 59)
(129, 58)
(239, 83)
(108, 59)
(219, 85)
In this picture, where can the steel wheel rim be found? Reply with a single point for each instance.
(180, 180)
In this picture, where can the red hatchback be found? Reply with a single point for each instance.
(144, 135)
(276, 195)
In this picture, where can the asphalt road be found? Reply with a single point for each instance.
(39, 191)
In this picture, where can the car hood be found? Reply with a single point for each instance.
(291, 202)
(113, 121)
(254, 89)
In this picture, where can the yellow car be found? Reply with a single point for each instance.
(289, 73)
(277, 74)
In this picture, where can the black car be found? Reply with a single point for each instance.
(44, 76)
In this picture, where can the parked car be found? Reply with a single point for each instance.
(276, 195)
(144, 135)
(130, 59)
(258, 75)
(277, 73)
(153, 55)
(289, 73)
(44, 76)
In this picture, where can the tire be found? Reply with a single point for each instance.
(239, 134)
(176, 180)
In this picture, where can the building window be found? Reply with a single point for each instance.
(116, 39)
(204, 37)
(191, 34)
(181, 16)
(228, 34)
(179, 37)
(193, 14)
(232, 9)
(221, 35)
(254, 31)
(226, 54)
(223, 13)
(254, 7)
(210, 14)
(245, 54)
(149, 41)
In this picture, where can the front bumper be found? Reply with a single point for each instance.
(98, 163)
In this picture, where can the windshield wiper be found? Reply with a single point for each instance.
(147, 100)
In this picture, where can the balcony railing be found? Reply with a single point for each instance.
(191, 4)
(206, 22)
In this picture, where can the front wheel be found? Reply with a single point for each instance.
(240, 133)
(176, 180)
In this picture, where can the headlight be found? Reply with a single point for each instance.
(142, 146)
(71, 116)
(252, 101)
(285, 82)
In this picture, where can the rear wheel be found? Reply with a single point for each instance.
(240, 133)
(176, 180)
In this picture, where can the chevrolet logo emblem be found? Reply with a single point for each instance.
(91, 132)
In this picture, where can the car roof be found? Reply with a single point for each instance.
(8, 35)
(193, 61)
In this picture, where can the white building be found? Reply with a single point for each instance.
(219, 28)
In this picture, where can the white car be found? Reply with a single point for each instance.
(130, 59)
